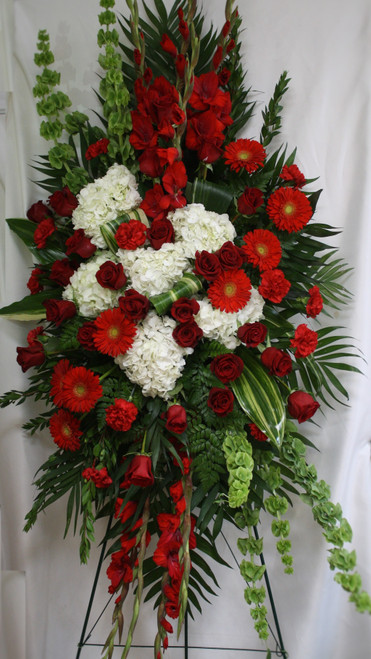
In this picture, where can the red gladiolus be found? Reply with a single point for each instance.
(205, 135)
(168, 46)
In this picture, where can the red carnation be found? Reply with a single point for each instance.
(244, 154)
(227, 367)
(63, 202)
(33, 355)
(44, 229)
(252, 334)
(176, 419)
(274, 286)
(111, 275)
(134, 305)
(315, 303)
(160, 232)
(65, 430)
(58, 311)
(38, 212)
(62, 271)
(292, 174)
(34, 333)
(140, 471)
(276, 361)
(184, 309)
(221, 401)
(301, 406)
(256, 433)
(289, 209)
(305, 341)
(187, 335)
(121, 415)
(131, 235)
(80, 244)
(96, 149)
(100, 477)
(250, 201)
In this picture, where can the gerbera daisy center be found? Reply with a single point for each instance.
(79, 390)
(230, 289)
(244, 155)
(113, 332)
(261, 249)
(289, 209)
(66, 430)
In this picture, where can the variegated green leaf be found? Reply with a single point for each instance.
(188, 285)
(30, 308)
(260, 398)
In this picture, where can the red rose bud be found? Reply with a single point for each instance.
(33, 355)
(85, 335)
(63, 202)
(276, 361)
(184, 309)
(230, 256)
(57, 311)
(111, 275)
(301, 406)
(160, 232)
(140, 472)
(80, 244)
(38, 212)
(250, 201)
(180, 64)
(187, 335)
(227, 367)
(168, 46)
(134, 305)
(221, 401)
(44, 229)
(176, 419)
(207, 265)
(61, 272)
(251, 334)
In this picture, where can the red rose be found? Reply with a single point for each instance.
(251, 334)
(168, 46)
(63, 202)
(38, 212)
(301, 406)
(274, 286)
(188, 334)
(85, 335)
(227, 367)
(57, 311)
(176, 419)
(44, 229)
(221, 401)
(160, 232)
(250, 201)
(33, 283)
(305, 341)
(230, 256)
(80, 244)
(111, 275)
(207, 265)
(184, 309)
(140, 471)
(276, 361)
(33, 355)
(315, 302)
(134, 305)
(131, 235)
(61, 272)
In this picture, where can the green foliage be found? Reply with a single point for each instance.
(207, 447)
(272, 112)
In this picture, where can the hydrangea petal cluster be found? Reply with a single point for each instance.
(154, 271)
(155, 361)
(198, 229)
(84, 290)
(222, 325)
(103, 200)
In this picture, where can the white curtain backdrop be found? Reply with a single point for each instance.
(326, 48)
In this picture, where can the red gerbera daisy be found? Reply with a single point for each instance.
(230, 291)
(244, 154)
(289, 209)
(114, 333)
(65, 430)
(263, 249)
(81, 389)
(56, 381)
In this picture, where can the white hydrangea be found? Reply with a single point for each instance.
(197, 229)
(89, 296)
(155, 361)
(222, 325)
(154, 271)
(103, 200)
